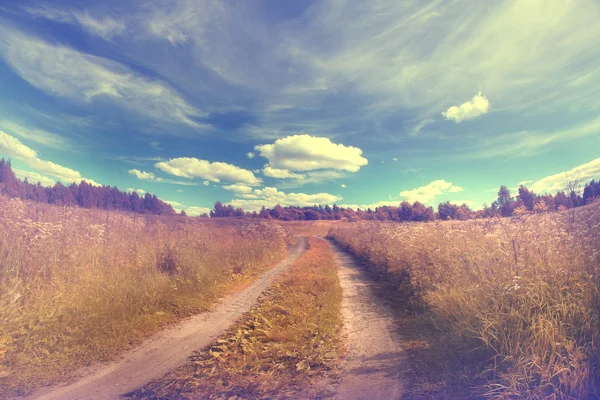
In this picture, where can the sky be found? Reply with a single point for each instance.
(254, 103)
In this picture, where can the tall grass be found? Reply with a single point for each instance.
(523, 292)
(78, 286)
(286, 347)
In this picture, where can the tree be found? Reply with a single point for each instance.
(527, 197)
(505, 201)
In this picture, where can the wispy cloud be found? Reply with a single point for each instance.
(104, 26)
(40, 136)
(66, 72)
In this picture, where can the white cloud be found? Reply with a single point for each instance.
(34, 177)
(270, 196)
(416, 130)
(394, 159)
(305, 153)
(468, 110)
(195, 211)
(12, 147)
(104, 27)
(138, 191)
(238, 188)
(175, 204)
(206, 183)
(66, 72)
(35, 135)
(343, 186)
(426, 194)
(558, 182)
(281, 173)
(189, 167)
(250, 154)
(143, 175)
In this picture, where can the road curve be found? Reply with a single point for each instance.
(169, 348)
(375, 363)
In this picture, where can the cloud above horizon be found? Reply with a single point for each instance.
(478, 106)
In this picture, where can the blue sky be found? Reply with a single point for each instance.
(300, 102)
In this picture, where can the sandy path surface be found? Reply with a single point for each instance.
(169, 348)
(375, 361)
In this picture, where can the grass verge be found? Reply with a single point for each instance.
(286, 347)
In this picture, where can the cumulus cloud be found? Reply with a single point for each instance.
(12, 147)
(66, 72)
(558, 182)
(143, 175)
(270, 196)
(250, 154)
(468, 110)
(426, 194)
(281, 173)
(34, 177)
(238, 188)
(190, 167)
(306, 153)
(343, 186)
(138, 191)
(194, 211)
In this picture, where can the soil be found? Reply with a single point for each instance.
(376, 366)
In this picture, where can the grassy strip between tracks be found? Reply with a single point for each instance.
(286, 347)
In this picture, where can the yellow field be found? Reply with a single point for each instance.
(78, 286)
(519, 298)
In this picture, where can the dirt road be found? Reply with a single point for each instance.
(375, 364)
(170, 348)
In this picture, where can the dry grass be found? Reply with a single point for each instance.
(286, 347)
(308, 228)
(79, 286)
(517, 300)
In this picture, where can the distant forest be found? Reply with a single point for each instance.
(506, 205)
(82, 195)
(86, 195)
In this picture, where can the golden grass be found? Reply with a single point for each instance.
(79, 286)
(517, 300)
(286, 347)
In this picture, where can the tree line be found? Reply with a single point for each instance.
(506, 205)
(82, 195)
(86, 195)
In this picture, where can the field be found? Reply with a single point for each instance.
(79, 286)
(510, 306)
(285, 348)
(491, 308)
